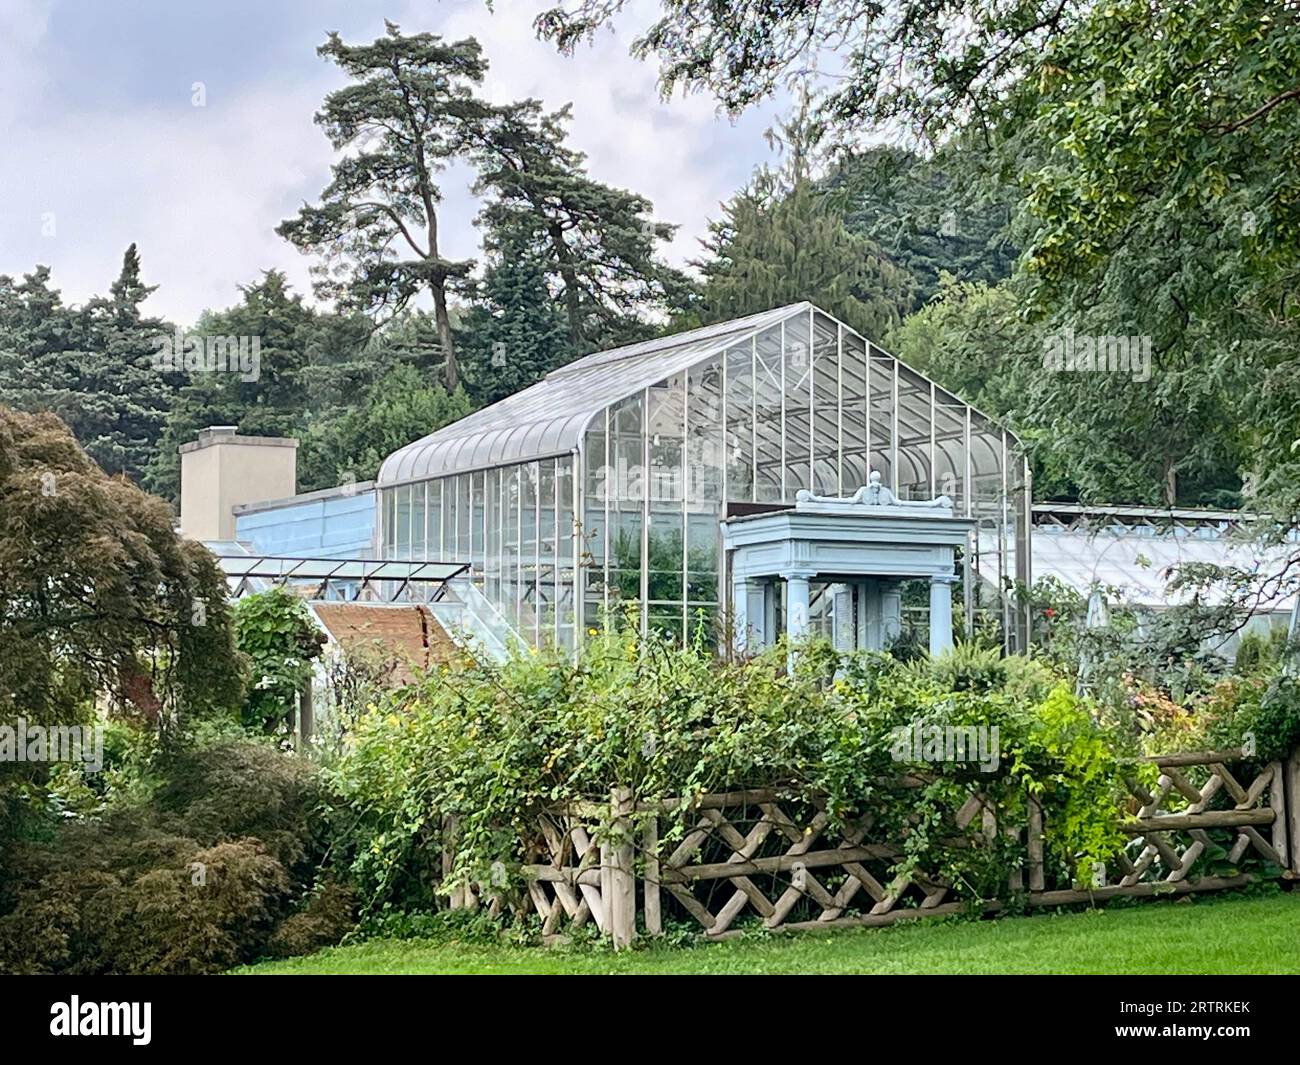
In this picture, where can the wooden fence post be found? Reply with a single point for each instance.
(654, 921)
(1289, 778)
(1035, 834)
(462, 897)
(621, 901)
(454, 902)
(306, 719)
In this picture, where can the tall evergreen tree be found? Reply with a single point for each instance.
(930, 216)
(406, 114)
(272, 401)
(783, 239)
(597, 244)
(514, 333)
(399, 407)
(92, 366)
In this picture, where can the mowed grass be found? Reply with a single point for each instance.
(1227, 934)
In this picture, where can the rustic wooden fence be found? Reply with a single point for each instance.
(760, 854)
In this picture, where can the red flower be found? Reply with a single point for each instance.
(1049, 612)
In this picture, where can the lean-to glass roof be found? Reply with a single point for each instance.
(550, 417)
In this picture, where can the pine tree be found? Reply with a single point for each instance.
(598, 244)
(405, 115)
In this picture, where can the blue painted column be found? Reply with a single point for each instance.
(869, 605)
(740, 631)
(749, 608)
(941, 612)
(891, 612)
(844, 635)
(860, 595)
(796, 604)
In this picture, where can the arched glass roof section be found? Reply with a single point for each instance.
(550, 417)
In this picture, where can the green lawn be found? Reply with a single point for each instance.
(1259, 934)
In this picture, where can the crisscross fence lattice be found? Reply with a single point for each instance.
(1213, 821)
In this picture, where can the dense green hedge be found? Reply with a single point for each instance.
(492, 747)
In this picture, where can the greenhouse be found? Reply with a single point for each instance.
(604, 487)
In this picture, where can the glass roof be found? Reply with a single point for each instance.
(550, 417)
(243, 566)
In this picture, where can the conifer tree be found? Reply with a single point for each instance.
(404, 117)
(597, 244)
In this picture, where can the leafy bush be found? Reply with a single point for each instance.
(196, 879)
(1261, 652)
(322, 922)
(1260, 713)
(274, 631)
(488, 748)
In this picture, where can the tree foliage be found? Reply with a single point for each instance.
(1153, 150)
(275, 633)
(783, 239)
(90, 365)
(513, 332)
(595, 244)
(402, 119)
(399, 407)
(275, 401)
(99, 599)
(926, 214)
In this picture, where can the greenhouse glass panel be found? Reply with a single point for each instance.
(565, 573)
(593, 536)
(476, 529)
(664, 581)
(625, 502)
(740, 421)
(388, 523)
(797, 412)
(465, 516)
(853, 412)
(433, 523)
(880, 413)
(826, 413)
(492, 535)
(418, 518)
(511, 589)
(769, 447)
(546, 531)
(706, 475)
(950, 449)
(402, 543)
(529, 607)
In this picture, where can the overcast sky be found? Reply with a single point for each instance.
(101, 145)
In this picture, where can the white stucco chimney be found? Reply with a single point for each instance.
(222, 469)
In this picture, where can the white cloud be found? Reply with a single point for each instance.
(23, 26)
(200, 190)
